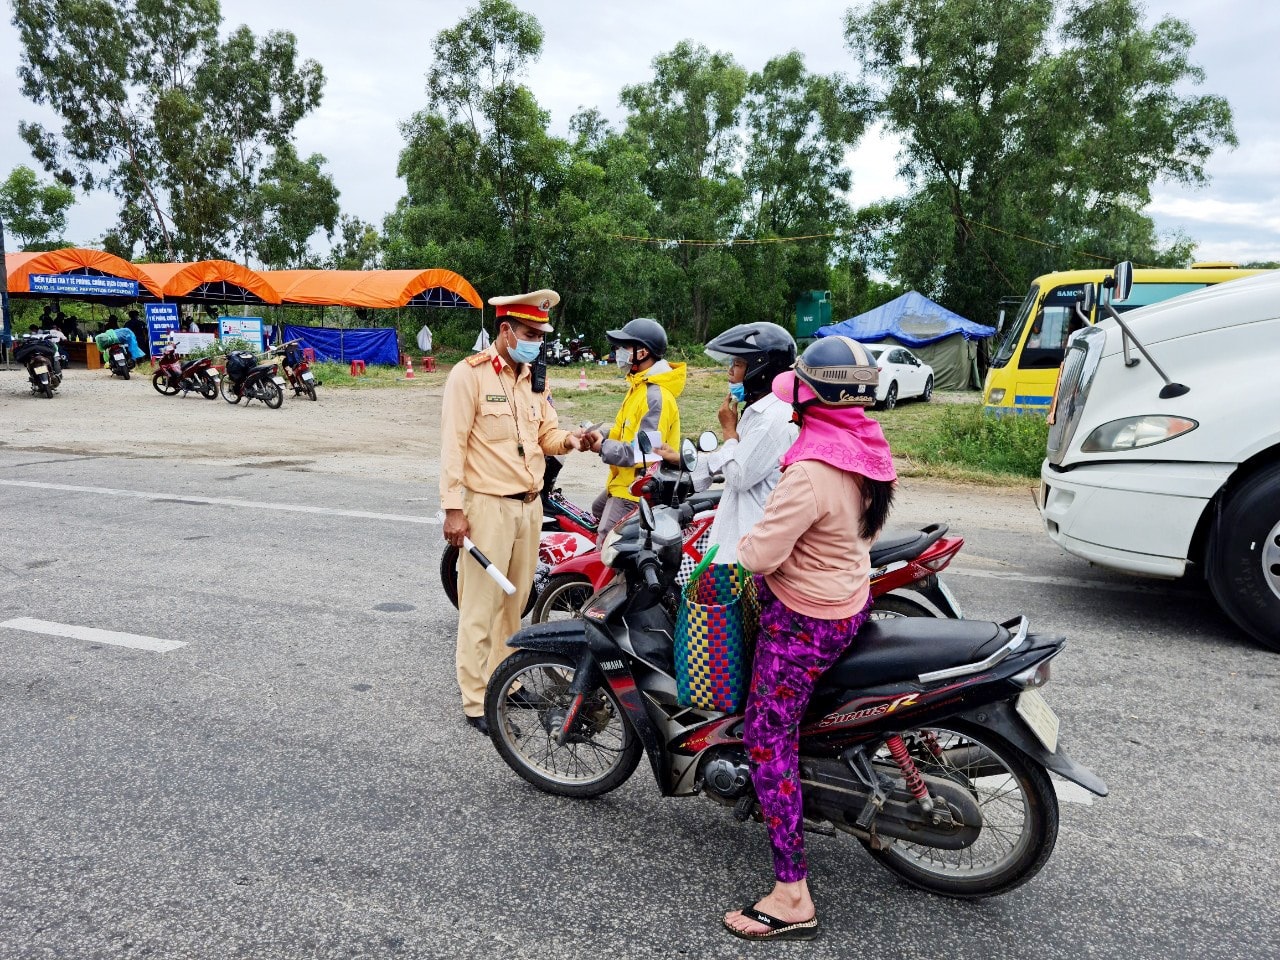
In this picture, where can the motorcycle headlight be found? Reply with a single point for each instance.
(609, 551)
(1134, 432)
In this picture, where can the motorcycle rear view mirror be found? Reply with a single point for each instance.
(644, 443)
(688, 454)
(707, 441)
(646, 515)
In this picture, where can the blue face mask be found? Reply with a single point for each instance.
(738, 391)
(525, 351)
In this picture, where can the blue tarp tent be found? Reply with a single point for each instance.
(944, 340)
(370, 344)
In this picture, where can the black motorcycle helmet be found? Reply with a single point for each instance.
(840, 370)
(767, 349)
(648, 333)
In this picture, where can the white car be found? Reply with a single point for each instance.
(902, 375)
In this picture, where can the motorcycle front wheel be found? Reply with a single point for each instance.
(163, 384)
(1019, 814)
(527, 704)
(230, 393)
(562, 598)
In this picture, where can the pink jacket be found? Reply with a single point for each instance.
(808, 545)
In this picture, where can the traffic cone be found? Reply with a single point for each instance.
(582, 378)
(408, 367)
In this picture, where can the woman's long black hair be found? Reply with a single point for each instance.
(877, 501)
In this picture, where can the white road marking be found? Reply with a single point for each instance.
(222, 502)
(93, 635)
(1069, 792)
(961, 570)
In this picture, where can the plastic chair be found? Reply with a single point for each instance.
(309, 354)
(428, 364)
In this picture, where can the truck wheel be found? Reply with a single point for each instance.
(1243, 564)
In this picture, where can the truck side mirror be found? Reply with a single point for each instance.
(1123, 281)
(1089, 298)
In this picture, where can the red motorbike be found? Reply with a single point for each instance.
(297, 369)
(176, 375)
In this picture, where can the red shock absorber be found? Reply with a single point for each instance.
(915, 783)
(931, 742)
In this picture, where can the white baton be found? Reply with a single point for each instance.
(507, 586)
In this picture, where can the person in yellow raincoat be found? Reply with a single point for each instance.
(640, 348)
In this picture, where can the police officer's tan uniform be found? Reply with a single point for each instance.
(495, 432)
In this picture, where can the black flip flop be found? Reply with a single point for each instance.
(778, 929)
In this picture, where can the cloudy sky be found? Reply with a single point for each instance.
(375, 56)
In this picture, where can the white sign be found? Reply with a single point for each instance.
(191, 342)
(243, 328)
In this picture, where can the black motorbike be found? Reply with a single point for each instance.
(247, 379)
(567, 350)
(929, 741)
(39, 354)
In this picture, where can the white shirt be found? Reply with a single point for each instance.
(751, 471)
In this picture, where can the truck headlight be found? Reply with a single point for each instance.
(1134, 432)
(995, 396)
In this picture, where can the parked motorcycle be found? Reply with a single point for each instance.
(297, 369)
(178, 376)
(39, 354)
(929, 741)
(904, 567)
(247, 379)
(575, 349)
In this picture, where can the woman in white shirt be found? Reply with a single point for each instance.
(756, 435)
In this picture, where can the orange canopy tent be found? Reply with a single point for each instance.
(74, 260)
(374, 288)
(211, 281)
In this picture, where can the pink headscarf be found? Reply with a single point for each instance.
(844, 437)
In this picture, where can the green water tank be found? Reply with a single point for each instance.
(813, 310)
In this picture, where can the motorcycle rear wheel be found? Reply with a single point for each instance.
(272, 395)
(311, 390)
(449, 579)
(562, 598)
(163, 384)
(890, 607)
(229, 391)
(47, 390)
(526, 704)
(209, 388)
(1019, 810)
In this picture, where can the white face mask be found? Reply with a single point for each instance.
(622, 357)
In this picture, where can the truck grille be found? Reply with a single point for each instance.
(1084, 352)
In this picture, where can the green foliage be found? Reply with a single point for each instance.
(175, 121)
(34, 213)
(967, 437)
(1031, 119)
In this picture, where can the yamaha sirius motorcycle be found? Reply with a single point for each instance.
(929, 740)
(39, 354)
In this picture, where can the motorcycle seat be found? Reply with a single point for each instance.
(902, 648)
(905, 546)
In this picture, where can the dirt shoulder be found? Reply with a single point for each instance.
(391, 433)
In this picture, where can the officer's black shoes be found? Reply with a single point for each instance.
(480, 723)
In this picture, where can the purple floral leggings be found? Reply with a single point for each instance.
(792, 652)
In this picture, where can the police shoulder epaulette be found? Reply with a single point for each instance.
(476, 359)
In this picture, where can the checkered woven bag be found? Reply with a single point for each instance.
(715, 639)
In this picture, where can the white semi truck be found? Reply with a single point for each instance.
(1164, 446)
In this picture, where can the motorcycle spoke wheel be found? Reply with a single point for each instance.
(271, 394)
(163, 384)
(1019, 814)
(526, 706)
(562, 599)
(229, 392)
(311, 391)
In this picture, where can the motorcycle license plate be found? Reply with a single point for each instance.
(306, 375)
(279, 382)
(40, 369)
(1039, 718)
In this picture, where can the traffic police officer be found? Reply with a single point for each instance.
(495, 432)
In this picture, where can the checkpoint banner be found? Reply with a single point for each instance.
(162, 321)
(78, 284)
(243, 328)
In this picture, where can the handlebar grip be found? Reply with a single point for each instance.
(651, 576)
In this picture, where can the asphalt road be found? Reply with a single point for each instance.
(296, 780)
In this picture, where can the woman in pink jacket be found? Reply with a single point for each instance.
(811, 555)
